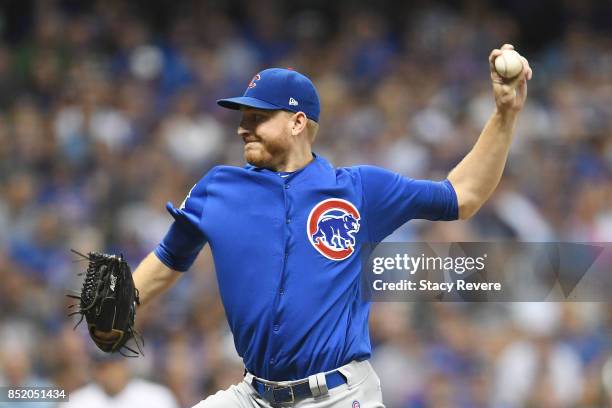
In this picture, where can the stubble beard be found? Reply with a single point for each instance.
(257, 157)
(265, 155)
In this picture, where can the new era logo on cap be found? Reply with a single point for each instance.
(278, 88)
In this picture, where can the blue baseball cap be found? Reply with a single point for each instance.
(278, 88)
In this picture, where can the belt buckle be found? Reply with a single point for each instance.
(292, 395)
(282, 387)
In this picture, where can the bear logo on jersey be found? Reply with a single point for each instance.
(331, 227)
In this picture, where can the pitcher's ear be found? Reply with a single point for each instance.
(300, 121)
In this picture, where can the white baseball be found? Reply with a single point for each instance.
(509, 64)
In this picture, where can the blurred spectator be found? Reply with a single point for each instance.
(17, 360)
(538, 370)
(114, 386)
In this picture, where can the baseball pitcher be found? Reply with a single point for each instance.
(287, 230)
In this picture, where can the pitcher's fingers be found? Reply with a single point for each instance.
(521, 89)
(494, 54)
(527, 68)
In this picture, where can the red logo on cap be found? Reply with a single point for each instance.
(252, 84)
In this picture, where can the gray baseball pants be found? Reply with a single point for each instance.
(362, 390)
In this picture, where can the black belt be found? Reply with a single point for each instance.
(282, 394)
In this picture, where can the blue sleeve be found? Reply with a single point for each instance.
(185, 239)
(391, 200)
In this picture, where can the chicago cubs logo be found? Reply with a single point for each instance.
(332, 225)
(252, 84)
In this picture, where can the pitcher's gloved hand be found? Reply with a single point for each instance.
(108, 302)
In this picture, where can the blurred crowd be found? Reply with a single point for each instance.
(107, 111)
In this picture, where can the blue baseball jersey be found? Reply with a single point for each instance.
(287, 254)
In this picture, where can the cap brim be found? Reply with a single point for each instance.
(236, 103)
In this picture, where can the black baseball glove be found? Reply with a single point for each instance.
(108, 302)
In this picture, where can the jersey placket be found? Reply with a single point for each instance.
(285, 184)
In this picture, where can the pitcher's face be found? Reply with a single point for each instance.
(266, 135)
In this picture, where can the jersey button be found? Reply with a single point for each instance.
(276, 327)
(272, 360)
(281, 291)
(288, 220)
(286, 186)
